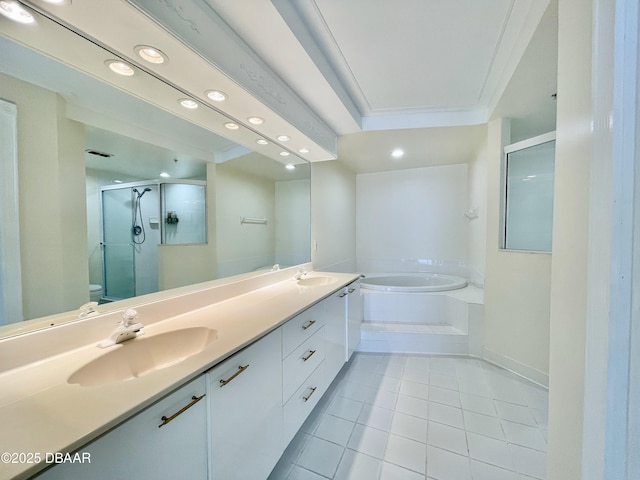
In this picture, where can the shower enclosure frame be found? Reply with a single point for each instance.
(138, 184)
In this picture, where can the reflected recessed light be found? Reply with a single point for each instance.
(16, 12)
(188, 103)
(290, 166)
(117, 181)
(120, 67)
(285, 154)
(397, 153)
(232, 126)
(150, 54)
(164, 174)
(216, 95)
(57, 2)
(284, 138)
(304, 150)
(262, 141)
(255, 120)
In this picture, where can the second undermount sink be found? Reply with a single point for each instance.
(316, 281)
(143, 355)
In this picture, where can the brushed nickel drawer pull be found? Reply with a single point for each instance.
(194, 400)
(313, 390)
(311, 352)
(351, 290)
(342, 295)
(311, 322)
(241, 369)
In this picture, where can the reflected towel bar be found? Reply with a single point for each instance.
(252, 220)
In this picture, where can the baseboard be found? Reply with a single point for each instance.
(525, 371)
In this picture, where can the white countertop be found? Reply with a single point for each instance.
(41, 412)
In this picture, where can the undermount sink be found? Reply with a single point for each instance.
(316, 281)
(143, 355)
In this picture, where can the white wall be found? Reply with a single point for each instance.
(243, 247)
(517, 285)
(293, 222)
(53, 224)
(414, 214)
(333, 217)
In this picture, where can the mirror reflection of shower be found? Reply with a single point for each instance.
(137, 229)
(134, 228)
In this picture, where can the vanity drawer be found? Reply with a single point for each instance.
(301, 363)
(299, 406)
(300, 328)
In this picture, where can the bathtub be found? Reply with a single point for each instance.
(425, 282)
(418, 298)
(420, 313)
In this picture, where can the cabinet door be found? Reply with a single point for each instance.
(246, 411)
(139, 449)
(335, 333)
(354, 317)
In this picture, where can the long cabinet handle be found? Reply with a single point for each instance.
(307, 325)
(311, 352)
(194, 400)
(313, 390)
(343, 294)
(241, 369)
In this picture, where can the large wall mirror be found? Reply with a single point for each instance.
(129, 198)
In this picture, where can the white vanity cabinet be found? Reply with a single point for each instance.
(139, 448)
(245, 401)
(334, 312)
(354, 317)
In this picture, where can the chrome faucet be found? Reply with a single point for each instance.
(126, 330)
(300, 273)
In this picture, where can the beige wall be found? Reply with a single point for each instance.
(53, 223)
(333, 217)
(477, 231)
(517, 285)
(570, 241)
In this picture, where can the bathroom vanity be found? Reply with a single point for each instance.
(254, 358)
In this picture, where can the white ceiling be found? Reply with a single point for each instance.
(424, 75)
(421, 74)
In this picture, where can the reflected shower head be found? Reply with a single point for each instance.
(147, 189)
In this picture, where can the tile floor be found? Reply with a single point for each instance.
(410, 417)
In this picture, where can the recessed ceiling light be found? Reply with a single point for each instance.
(16, 12)
(117, 181)
(232, 126)
(164, 174)
(216, 95)
(151, 54)
(290, 166)
(120, 67)
(284, 138)
(255, 120)
(285, 154)
(58, 2)
(262, 141)
(397, 153)
(304, 150)
(188, 103)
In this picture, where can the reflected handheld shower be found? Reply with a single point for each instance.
(147, 189)
(138, 230)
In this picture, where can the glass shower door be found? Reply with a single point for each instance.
(118, 249)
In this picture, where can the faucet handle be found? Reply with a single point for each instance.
(128, 316)
(88, 309)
